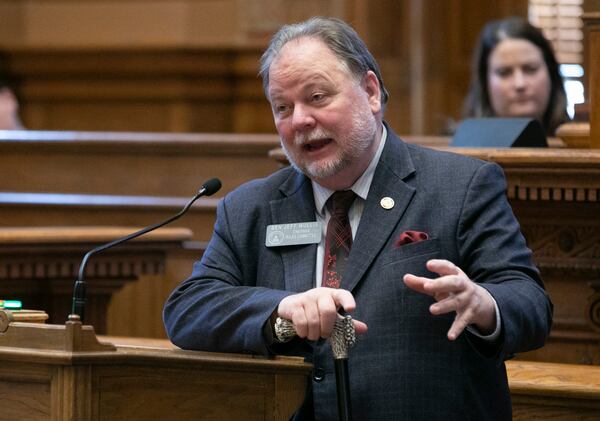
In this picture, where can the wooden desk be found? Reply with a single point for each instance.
(122, 178)
(20, 209)
(63, 373)
(39, 266)
(130, 164)
(554, 391)
(52, 372)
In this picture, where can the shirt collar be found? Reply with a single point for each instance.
(360, 187)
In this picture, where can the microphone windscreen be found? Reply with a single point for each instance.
(211, 186)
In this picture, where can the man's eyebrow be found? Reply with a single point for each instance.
(308, 83)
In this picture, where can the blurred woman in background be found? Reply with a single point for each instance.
(515, 74)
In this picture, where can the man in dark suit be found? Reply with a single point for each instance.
(437, 268)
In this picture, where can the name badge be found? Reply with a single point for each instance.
(293, 234)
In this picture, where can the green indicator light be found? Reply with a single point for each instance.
(12, 304)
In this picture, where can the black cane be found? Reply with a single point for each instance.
(342, 338)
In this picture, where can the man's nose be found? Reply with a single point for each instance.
(302, 118)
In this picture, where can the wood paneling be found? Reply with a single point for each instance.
(40, 265)
(554, 194)
(64, 373)
(127, 179)
(151, 89)
(35, 210)
(151, 164)
(554, 391)
(44, 276)
(136, 309)
(200, 76)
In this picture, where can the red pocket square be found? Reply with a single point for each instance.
(408, 237)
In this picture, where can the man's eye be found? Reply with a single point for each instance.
(317, 97)
(281, 109)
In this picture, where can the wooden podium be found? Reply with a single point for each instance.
(62, 372)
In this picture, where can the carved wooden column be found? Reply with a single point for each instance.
(587, 134)
(592, 39)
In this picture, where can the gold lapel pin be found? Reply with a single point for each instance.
(387, 203)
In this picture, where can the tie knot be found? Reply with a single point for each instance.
(340, 201)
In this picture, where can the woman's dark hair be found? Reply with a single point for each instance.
(478, 104)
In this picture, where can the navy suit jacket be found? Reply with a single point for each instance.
(404, 367)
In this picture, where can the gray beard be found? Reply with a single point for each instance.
(361, 137)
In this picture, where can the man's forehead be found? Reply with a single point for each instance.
(306, 54)
(303, 47)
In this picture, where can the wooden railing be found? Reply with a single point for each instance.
(66, 209)
(145, 164)
(554, 391)
(109, 178)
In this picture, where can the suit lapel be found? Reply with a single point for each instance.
(296, 206)
(377, 224)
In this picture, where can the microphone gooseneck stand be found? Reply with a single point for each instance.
(79, 291)
(342, 338)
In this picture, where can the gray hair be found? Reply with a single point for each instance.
(343, 41)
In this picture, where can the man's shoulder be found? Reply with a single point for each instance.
(423, 153)
(425, 157)
(452, 169)
(264, 189)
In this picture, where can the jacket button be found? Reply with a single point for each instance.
(318, 374)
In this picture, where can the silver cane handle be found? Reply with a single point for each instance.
(342, 338)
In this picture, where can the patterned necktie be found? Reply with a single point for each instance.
(338, 239)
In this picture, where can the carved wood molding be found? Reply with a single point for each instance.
(39, 265)
(570, 252)
(519, 191)
(593, 308)
(565, 247)
(566, 184)
(30, 253)
(112, 266)
(48, 258)
(559, 175)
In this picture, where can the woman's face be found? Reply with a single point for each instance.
(519, 84)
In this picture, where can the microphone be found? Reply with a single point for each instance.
(209, 188)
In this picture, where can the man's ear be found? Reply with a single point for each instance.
(373, 90)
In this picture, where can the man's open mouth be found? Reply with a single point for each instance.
(315, 145)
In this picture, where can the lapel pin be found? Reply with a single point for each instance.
(387, 203)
